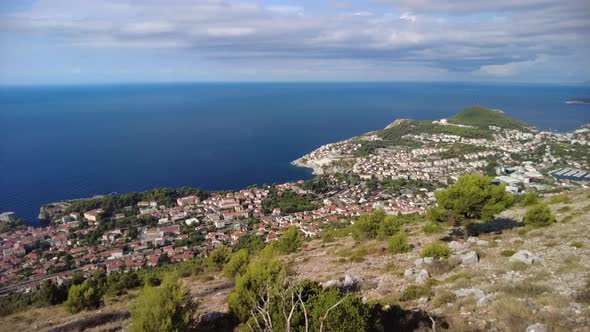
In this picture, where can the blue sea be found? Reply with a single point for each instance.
(77, 141)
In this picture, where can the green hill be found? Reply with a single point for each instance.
(482, 117)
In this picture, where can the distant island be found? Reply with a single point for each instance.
(578, 101)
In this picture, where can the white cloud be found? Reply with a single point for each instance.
(148, 28)
(286, 10)
(230, 31)
(408, 17)
(510, 68)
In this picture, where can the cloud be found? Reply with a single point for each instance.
(510, 68)
(408, 17)
(502, 40)
(230, 31)
(285, 10)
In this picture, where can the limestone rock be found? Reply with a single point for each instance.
(456, 246)
(463, 292)
(470, 258)
(526, 257)
(422, 277)
(482, 242)
(536, 328)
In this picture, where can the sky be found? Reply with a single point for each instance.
(127, 41)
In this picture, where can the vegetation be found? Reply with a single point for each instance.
(168, 307)
(290, 241)
(88, 295)
(398, 243)
(436, 250)
(288, 201)
(367, 226)
(237, 264)
(539, 215)
(432, 228)
(473, 197)
(530, 199)
(508, 252)
(415, 292)
(113, 203)
(482, 117)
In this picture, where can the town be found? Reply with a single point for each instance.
(400, 179)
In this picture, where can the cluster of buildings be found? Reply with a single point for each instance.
(436, 161)
(31, 255)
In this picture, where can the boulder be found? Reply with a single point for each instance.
(484, 301)
(525, 256)
(410, 272)
(472, 239)
(469, 258)
(332, 284)
(422, 277)
(456, 246)
(536, 328)
(421, 262)
(482, 242)
(463, 292)
(351, 281)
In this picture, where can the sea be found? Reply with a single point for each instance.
(65, 142)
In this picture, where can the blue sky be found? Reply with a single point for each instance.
(104, 41)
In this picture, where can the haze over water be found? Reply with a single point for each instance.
(71, 142)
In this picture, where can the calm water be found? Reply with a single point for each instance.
(71, 142)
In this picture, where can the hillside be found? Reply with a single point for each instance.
(482, 118)
(490, 292)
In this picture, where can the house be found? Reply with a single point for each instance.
(189, 200)
(219, 223)
(93, 215)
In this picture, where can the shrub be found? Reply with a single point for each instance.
(564, 209)
(508, 252)
(84, 296)
(414, 292)
(443, 298)
(165, 308)
(577, 244)
(474, 197)
(436, 250)
(237, 264)
(530, 199)
(432, 228)
(328, 236)
(563, 198)
(366, 226)
(388, 227)
(290, 241)
(539, 216)
(398, 243)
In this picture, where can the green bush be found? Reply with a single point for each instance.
(163, 309)
(562, 198)
(388, 227)
(508, 252)
(530, 199)
(539, 215)
(432, 228)
(328, 236)
(237, 264)
(415, 292)
(398, 243)
(84, 296)
(436, 250)
(366, 226)
(577, 244)
(474, 197)
(564, 209)
(443, 298)
(290, 241)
